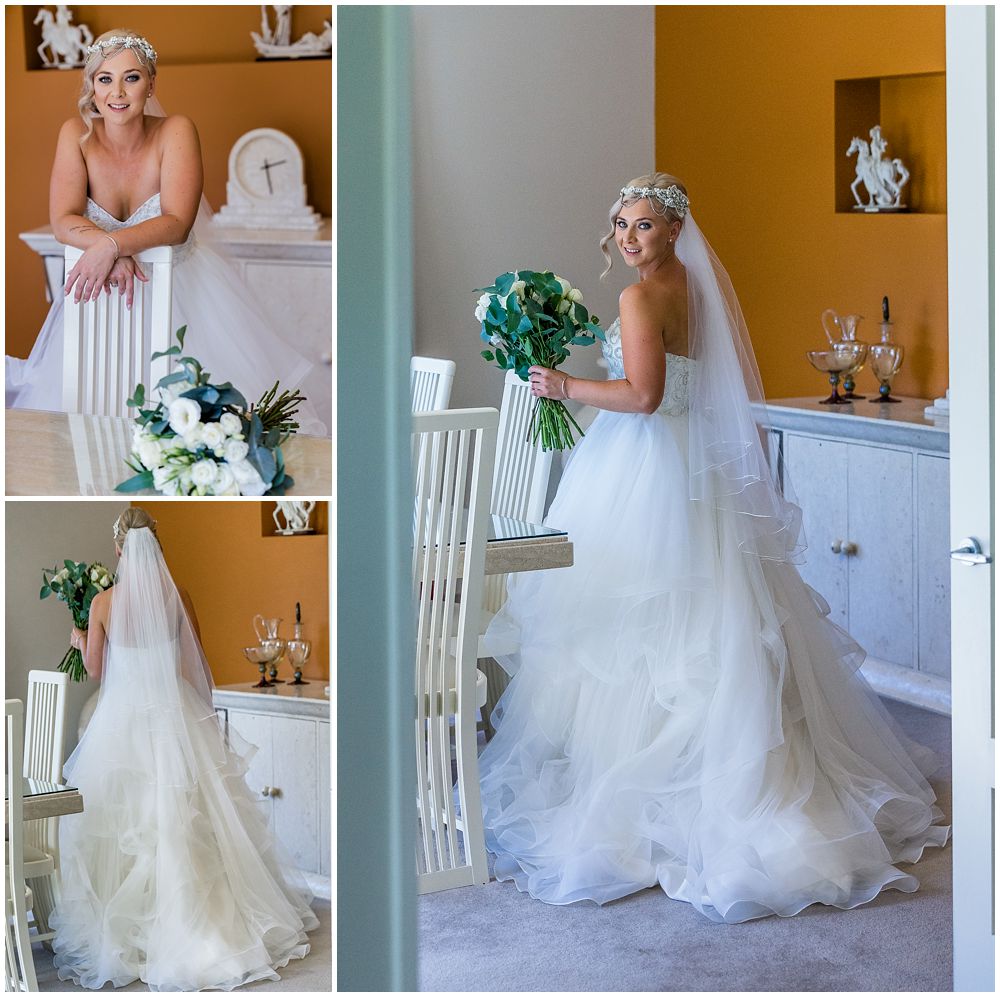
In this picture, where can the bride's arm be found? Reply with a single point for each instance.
(641, 390)
(92, 640)
(68, 196)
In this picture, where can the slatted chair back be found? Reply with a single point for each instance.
(44, 737)
(107, 347)
(452, 463)
(19, 963)
(430, 383)
(520, 474)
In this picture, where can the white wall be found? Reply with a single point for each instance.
(526, 122)
(41, 535)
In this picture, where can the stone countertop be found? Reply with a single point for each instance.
(296, 700)
(903, 425)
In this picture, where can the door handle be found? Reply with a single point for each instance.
(970, 552)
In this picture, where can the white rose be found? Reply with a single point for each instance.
(225, 481)
(236, 450)
(250, 482)
(565, 285)
(518, 288)
(194, 437)
(575, 296)
(231, 424)
(213, 435)
(165, 480)
(150, 453)
(563, 306)
(482, 307)
(183, 414)
(203, 473)
(94, 574)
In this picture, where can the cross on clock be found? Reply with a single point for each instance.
(266, 167)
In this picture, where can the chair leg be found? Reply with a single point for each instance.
(44, 892)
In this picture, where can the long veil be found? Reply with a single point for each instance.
(150, 625)
(729, 464)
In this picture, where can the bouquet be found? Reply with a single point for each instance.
(76, 584)
(201, 438)
(532, 318)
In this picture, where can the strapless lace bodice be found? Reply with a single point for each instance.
(675, 390)
(150, 208)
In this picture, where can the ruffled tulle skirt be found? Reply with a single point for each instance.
(228, 330)
(170, 875)
(686, 715)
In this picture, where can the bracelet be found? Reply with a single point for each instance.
(113, 243)
(562, 387)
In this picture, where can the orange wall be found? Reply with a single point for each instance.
(215, 550)
(206, 70)
(745, 116)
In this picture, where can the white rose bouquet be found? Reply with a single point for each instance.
(76, 583)
(203, 439)
(531, 317)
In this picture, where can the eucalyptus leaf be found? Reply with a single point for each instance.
(487, 355)
(136, 484)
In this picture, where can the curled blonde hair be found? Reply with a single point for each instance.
(133, 518)
(85, 105)
(648, 180)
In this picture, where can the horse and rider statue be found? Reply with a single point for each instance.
(884, 179)
(64, 44)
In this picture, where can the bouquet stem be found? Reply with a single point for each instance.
(550, 424)
(72, 664)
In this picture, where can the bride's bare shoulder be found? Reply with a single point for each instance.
(72, 130)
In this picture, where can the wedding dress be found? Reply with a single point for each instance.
(170, 875)
(226, 330)
(682, 712)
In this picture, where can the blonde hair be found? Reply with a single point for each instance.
(133, 518)
(96, 56)
(663, 180)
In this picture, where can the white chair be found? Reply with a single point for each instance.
(430, 383)
(520, 484)
(107, 347)
(19, 961)
(452, 460)
(44, 736)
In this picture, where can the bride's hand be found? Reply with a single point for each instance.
(77, 638)
(91, 271)
(123, 276)
(547, 383)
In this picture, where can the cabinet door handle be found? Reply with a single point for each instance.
(266, 791)
(970, 552)
(847, 547)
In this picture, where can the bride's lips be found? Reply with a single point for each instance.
(119, 107)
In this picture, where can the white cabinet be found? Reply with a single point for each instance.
(873, 487)
(290, 772)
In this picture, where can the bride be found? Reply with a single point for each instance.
(126, 179)
(170, 875)
(682, 712)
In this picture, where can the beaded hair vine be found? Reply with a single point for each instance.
(124, 41)
(671, 197)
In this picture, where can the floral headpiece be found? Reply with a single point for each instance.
(118, 530)
(671, 197)
(124, 41)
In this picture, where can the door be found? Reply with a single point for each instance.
(971, 262)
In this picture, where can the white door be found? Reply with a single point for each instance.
(971, 262)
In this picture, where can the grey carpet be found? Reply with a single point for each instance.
(311, 975)
(494, 938)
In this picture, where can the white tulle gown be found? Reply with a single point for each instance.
(227, 330)
(171, 874)
(682, 714)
